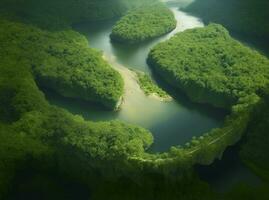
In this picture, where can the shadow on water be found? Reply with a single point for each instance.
(80, 107)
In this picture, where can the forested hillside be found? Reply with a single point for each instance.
(246, 16)
(62, 13)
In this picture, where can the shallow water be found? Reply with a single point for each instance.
(172, 123)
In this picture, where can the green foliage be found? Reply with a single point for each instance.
(51, 138)
(149, 87)
(144, 23)
(32, 132)
(62, 61)
(210, 66)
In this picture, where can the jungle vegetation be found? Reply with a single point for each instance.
(80, 149)
(111, 156)
(63, 62)
(143, 23)
(149, 87)
(210, 66)
(36, 134)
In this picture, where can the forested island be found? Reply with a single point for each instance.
(48, 152)
(144, 23)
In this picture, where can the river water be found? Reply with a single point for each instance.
(172, 123)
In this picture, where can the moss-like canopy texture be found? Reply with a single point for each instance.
(210, 66)
(63, 61)
(144, 23)
(36, 134)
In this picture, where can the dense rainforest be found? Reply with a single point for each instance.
(65, 65)
(144, 23)
(46, 152)
(208, 60)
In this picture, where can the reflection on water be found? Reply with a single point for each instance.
(172, 123)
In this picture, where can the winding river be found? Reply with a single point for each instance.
(172, 123)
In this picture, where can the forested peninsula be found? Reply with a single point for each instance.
(63, 62)
(213, 68)
(210, 66)
(143, 23)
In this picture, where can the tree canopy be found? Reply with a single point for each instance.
(144, 23)
(210, 66)
(36, 134)
(206, 63)
(63, 61)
